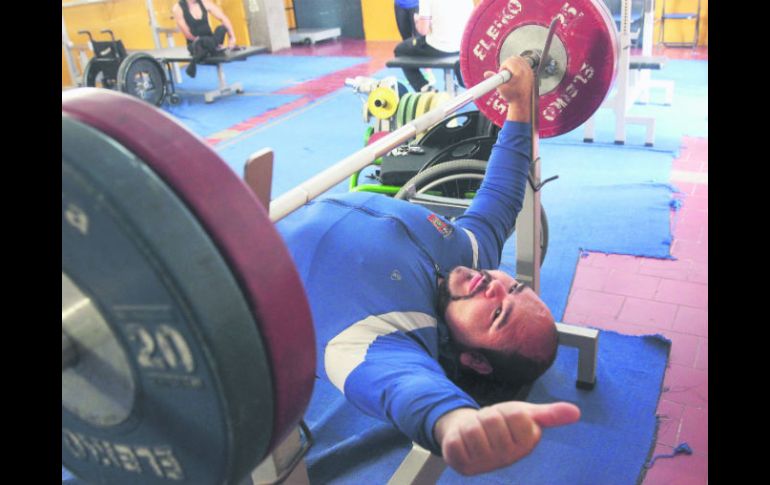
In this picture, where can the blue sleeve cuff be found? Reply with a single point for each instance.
(515, 128)
(436, 413)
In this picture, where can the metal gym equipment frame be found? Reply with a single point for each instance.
(633, 82)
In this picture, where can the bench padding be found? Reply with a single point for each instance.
(446, 62)
(181, 54)
(638, 62)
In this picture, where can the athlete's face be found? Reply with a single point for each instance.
(491, 310)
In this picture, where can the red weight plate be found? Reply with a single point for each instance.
(585, 35)
(236, 222)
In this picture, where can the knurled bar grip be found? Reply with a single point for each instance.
(308, 190)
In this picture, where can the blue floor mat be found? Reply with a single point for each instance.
(605, 200)
(686, 116)
(260, 76)
(206, 119)
(608, 446)
(305, 142)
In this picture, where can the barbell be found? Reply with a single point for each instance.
(578, 72)
(188, 350)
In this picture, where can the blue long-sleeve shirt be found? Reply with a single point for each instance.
(370, 263)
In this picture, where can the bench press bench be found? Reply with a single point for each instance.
(170, 55)
(647, 63)
(449, 64)
(643, 62)
(633, 85)
(633, 82)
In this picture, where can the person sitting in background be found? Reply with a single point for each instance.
(440, 25)
(406, 11)
(192, 19)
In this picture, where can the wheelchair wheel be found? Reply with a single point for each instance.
(448, 188)
(142, 76)
(97, 75)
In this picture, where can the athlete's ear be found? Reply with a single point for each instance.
(476, 361)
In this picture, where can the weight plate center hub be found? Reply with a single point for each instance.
(97, 382)
(532, 37)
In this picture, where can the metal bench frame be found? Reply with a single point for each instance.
(633, 82)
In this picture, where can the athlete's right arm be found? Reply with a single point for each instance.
(492, 214)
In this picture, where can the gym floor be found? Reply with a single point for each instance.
(630, 295)
(635, 296)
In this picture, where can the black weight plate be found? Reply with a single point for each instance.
(238, 224)
(198, 406)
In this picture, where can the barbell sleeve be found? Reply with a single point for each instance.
(306, 191)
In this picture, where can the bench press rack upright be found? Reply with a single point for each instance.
(633, 82)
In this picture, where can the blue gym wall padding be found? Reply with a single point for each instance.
(197, 115)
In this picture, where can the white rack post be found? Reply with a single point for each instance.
(156, 30)
(633, 81)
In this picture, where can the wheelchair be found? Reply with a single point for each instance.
(102, 70)
(441, 171)
(138, 74)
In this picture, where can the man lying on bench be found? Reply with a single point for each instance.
(192, 19)
(397, 292)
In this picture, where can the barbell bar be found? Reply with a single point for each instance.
(306, 191)
(575, 77)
